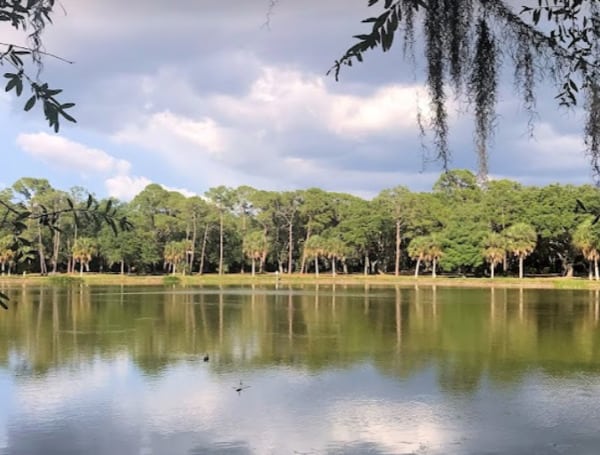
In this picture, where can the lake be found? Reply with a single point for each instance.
(299, 370)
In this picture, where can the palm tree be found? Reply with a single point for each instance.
(256, 247)
(335, 248)
(433, 251)
(426, 248)
(416, 251)
(84, 249)
(521, 239)
(174, 253)
(315, 247)
(495, 250)
(6, 253)
(587, 239)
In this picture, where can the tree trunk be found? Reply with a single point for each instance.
(345, 267)
(492, 270)
(596, 275)
(2, 267)
(261, 265)
(55, 251)
(568, 270)
(290, 246)
(433, 267)
(122, 267)
(303, 263)
(253, 265)
(520, 266)
(317, 266)
(43, 268)
(417, 267)
(398, 241)
(366, 269)
(75, 233)
(80, 268)
(221, 244)
(203, 253)
(333, 266)
(194, 237)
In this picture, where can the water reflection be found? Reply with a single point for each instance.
(332, 369)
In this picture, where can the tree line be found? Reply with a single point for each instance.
(460, 227)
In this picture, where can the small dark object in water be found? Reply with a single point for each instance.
(241, 387)
(206, 358)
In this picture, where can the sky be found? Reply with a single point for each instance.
(193, 94)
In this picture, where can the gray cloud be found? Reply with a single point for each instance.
(151, 75)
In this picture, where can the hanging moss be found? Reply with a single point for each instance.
(482, 86)
(464, 41)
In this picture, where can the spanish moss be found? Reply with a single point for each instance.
(482, 87)
(463, 42)
(435, 43)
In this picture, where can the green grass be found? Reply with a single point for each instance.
(171, 280)
(574, 283)
(64, 280)
(300, 279)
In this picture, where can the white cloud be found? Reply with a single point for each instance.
(550, 150)
(185, 192)
(167, 131)
(260, 137)
(283, 99)
(389, 109)
(66, 154)
(124, 187)
(279, 101)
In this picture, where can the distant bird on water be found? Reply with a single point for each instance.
(206, 358)
(241, 387)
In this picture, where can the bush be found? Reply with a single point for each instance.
(64, 280)
(171, 280)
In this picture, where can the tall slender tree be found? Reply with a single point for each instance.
(521, 239)
(495, 250)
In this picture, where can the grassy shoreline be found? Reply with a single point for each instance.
(271, 279)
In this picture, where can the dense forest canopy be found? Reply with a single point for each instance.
(458, 228)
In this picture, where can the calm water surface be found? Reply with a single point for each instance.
(327, 370)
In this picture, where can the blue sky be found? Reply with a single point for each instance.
(194, 94)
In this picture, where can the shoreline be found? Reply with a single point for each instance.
(306, 279)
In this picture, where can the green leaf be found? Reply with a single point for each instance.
(573, 85)
(30, 103)
(19, 86)
(23, 215)
(67, 116)
(11, 84)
